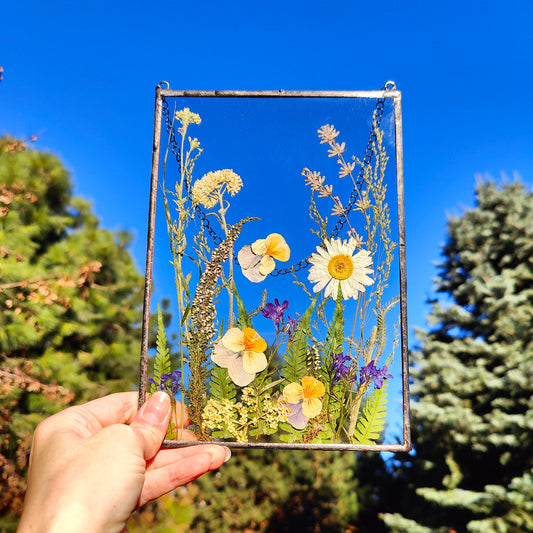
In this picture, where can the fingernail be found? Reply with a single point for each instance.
(228, 454)
(156, 409)
(214, 454)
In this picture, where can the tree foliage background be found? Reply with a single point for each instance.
(473, 378)
(70, 302)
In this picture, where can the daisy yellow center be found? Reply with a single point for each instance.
(340, 266)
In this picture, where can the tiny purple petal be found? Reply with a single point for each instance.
(378, 382)
(284, 305)
(175, 381)
(368, 372)
(291, 326)
(173, 386)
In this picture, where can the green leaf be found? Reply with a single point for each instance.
(221, 386)
(290, 434)
(335, 335)
(244, 319)
(295, 361)
(334, 338)
(325, 435)
(162, 358)
(372, 421)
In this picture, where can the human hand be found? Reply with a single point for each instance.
(89, 470)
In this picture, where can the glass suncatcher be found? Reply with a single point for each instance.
(276, 247)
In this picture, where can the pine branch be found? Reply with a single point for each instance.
(25, 282)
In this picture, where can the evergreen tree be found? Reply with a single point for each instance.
(473, 378)
(264, 491)
(70, 306)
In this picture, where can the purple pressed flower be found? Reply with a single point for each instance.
(175, 379)
(173, 387)
(339, 368)
(296, 418)
(274, 311)
(371, 373)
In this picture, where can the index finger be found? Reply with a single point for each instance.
(118, 408)
(86, 419)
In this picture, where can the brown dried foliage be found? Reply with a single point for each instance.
(12, 381)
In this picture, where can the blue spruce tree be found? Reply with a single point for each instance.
(473, 378)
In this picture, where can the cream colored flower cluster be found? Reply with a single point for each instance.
(186, 117)
(221, 415)
(236, 418)
(207, 190)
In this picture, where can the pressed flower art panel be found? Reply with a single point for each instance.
(275, 255)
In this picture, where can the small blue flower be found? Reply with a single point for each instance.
(173, 386)
(339, 368)
(371, 373)
(274, 311)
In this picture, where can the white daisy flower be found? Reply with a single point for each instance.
(336, 266)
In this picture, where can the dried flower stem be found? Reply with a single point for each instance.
(202, 330)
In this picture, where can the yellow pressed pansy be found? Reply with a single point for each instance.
(308, 393)
(257, 260)
(242, 353)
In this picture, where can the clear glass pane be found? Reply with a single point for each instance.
(276, 245)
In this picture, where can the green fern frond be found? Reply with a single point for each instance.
(162, 357)
(244, 320)
(221, 387)
(244, 317)
(289, 434)
(295, 361)
(335, 335)
(372, 421)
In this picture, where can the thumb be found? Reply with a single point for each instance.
(151, 423)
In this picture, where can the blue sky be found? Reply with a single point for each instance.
(82, 77)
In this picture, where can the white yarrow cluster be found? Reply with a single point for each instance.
(206, 191)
